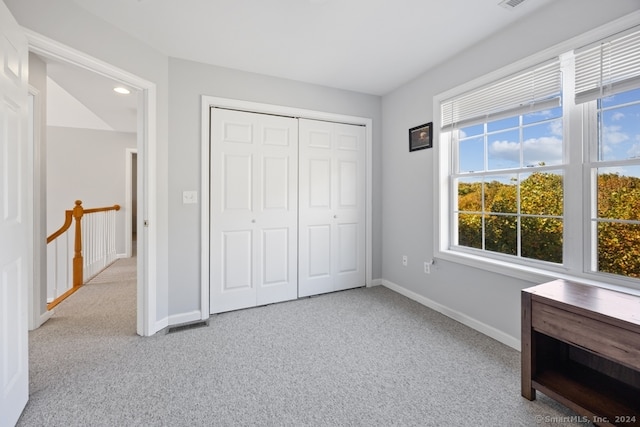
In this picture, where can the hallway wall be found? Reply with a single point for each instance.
(87, 165)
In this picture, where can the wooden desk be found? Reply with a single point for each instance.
(581, 347)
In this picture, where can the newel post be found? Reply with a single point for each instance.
(78, 211)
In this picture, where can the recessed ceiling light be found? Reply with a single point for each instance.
(122, 90)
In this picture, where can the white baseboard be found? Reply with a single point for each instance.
(44, 317)
(160, 325)
(375, 282)
(490, 331)
(179, 319)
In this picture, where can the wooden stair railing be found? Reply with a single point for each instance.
(78, 262)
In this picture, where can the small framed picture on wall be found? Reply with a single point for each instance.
(421, 137)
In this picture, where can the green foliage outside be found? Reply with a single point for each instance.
(619, 243)
(541, 224)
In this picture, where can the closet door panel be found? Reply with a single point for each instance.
(318, 184)
(332, 207)
(277, 216)
(253, 209)
(319, 248)
(347, 248)
(237, 252)
(237, 191)
(275, 259)
(347, 185)
(275, 178)
(315, 259)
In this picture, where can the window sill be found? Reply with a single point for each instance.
(534, 274)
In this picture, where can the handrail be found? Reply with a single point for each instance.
(78, 262)
(68, 219)
(108, 208)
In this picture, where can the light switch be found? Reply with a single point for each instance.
(189, 197)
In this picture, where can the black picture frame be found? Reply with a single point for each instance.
(421, 137)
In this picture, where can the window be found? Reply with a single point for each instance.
(608, 84)
(541, 169)
(615, 168)
(508, 184)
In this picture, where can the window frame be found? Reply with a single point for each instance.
(578, 119)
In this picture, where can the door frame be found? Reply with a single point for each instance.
(36, 183)
(208, 102)
(128, 200)
(146, 323)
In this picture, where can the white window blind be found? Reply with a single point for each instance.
(612, 66)
(529, 90)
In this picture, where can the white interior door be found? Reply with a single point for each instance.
(331, 207)
(254, 166)
(15, 222)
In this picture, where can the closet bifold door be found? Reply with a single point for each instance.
(253, 224)
(332, 196)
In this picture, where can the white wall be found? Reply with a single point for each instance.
(408, 217)
(188, 81)
(87, 165)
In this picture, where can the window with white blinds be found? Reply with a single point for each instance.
(610, 66)
(529, 90)
(531, 181)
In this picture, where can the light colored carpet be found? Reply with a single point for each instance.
(365, 357)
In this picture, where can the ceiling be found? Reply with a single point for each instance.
(80, 98)
(367, 46)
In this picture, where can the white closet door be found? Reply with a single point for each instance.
(331, 207)
(254, 164)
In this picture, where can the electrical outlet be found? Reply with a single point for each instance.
(404, 260)
(189, 197)
(427, 267)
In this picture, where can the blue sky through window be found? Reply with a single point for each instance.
(619, 121)
(538, 139)
(510, 144)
